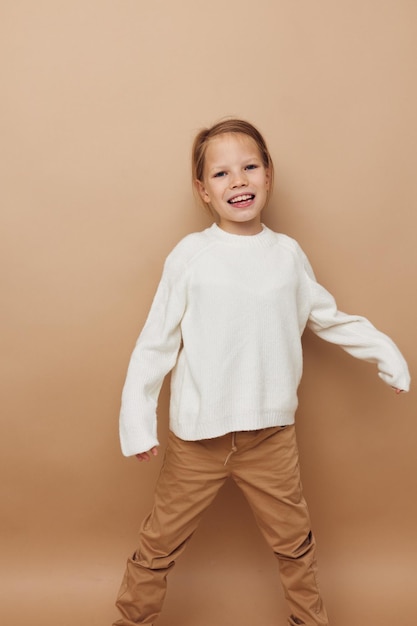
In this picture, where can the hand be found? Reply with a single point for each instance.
(146, 456)
(397, 391)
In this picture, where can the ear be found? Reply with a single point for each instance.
(202, 191)
(268, 178)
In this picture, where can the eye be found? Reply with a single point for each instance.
(251, 166)
(219, 174)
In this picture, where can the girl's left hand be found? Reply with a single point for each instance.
(397, 391)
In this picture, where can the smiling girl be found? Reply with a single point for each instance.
(235, 182)
(227, 319)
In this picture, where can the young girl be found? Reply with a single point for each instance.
(227, 318)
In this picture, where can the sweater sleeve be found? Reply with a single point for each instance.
(154, 355)
(355, 334)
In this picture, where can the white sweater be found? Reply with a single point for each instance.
(228, 317)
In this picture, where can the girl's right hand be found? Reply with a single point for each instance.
(146, 456)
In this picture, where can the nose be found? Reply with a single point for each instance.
(239, 179)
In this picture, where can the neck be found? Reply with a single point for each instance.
(241, 228)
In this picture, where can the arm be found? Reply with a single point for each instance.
(153, 357)
(356, 335)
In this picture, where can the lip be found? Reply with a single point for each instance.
(245, 197)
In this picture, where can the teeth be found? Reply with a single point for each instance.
(241, 198)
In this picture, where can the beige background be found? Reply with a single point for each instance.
(100, 102)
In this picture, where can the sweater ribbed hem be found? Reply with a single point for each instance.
(205, 429)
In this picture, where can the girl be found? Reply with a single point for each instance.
(227, 318)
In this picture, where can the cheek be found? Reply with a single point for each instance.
(262, 181)
(215, 189)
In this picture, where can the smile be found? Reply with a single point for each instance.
(243, 198)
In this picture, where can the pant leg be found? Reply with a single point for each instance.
(267, 472)
(190, 478)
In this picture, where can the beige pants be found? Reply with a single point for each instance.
(264, 465)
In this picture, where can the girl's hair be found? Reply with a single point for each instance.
(231, 125)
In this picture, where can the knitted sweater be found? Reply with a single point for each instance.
(228, 317)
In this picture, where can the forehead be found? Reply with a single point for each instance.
(230, 146)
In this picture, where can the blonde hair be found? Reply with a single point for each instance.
(232, 125)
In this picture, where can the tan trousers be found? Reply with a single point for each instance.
(264, 465)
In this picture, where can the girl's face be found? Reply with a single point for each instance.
(235, 183)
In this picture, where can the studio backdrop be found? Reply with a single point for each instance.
(100, 103)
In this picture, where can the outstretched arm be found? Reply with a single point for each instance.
(356, 335)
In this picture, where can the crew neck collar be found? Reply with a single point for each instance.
(263, 238)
